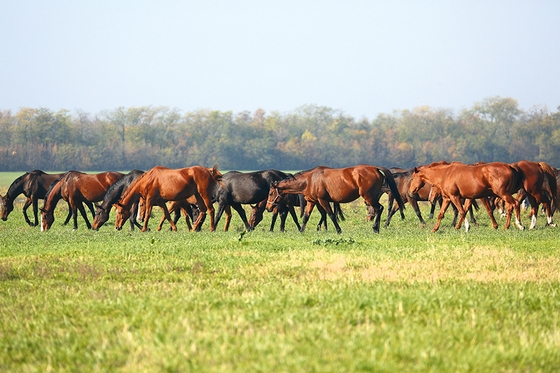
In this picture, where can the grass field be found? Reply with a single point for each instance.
(402, 300)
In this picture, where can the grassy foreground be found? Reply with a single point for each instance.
(402, 300)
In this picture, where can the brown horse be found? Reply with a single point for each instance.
(77, 188)
(33, 185)
(457, 180)
(160, 185)
(539, 181)
(322, 185)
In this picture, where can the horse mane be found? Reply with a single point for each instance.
(402, 173)
(17, 183)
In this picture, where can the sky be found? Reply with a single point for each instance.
(363, 58)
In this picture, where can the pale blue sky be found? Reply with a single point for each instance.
(360, 57)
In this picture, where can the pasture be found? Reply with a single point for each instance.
(405, 299)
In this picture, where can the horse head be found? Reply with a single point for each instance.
(101, 217)
(274, 197)
(47, 219)
(7, 206)
(122, 215)
(416, 183)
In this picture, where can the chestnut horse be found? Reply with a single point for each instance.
(322, 185)
(34, 185)
(77, 188)
(539, 181)
(160, 185)
(457, 180)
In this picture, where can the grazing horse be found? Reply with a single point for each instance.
(539, 181)
(457, 180)
(77, 188)
(34, 185)
(160, 185)
(285, 206)
(322, 185)
(112, 196)
(245, 188)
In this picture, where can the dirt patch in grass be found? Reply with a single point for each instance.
(479, 264)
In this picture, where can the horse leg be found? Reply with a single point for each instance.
(308, 209)
(221, 207)
(147, 213)
(461, 211)
(133, 215)
(241, 211)
(67, 220)
(490, 211)
(28, 202)
(80, 207)
(293, 213)
(167, 216)
(228, 218)
(327, 207)
(323, 219)
(467, 206)
(444, 205)
(204, 206)
(273, 221)
(414, 203)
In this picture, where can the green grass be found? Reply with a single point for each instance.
(402, 300)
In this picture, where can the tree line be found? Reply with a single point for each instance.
(495, 129)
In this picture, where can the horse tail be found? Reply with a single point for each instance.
(518, 179)
(551, 186)
(338, 211)
(302, 204)
(389, 181)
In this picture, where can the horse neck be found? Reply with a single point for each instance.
(293, 186)
(16, 188)
(130, 195)
(55, 195)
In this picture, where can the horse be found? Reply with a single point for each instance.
(240, 188)
(322, 185)
(112, 196)
(77, 188)
(403, 179)
(161, 184)
(281, 207)
(33, 185)
(457, 180)
(285, 206)
(539, 181)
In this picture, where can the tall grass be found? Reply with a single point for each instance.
(402, 300)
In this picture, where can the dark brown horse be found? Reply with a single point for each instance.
(33, 185)
(322, 185)
(160, 185)
(77, 188)
(458, 181)
(112, 196)
(403, 178)
(539, 181)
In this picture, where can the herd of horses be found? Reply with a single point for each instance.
(193, 191)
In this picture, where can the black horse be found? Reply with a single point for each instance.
(239, 188)
(112, 196)
(33, 185)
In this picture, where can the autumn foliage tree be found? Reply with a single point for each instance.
(494, 129)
